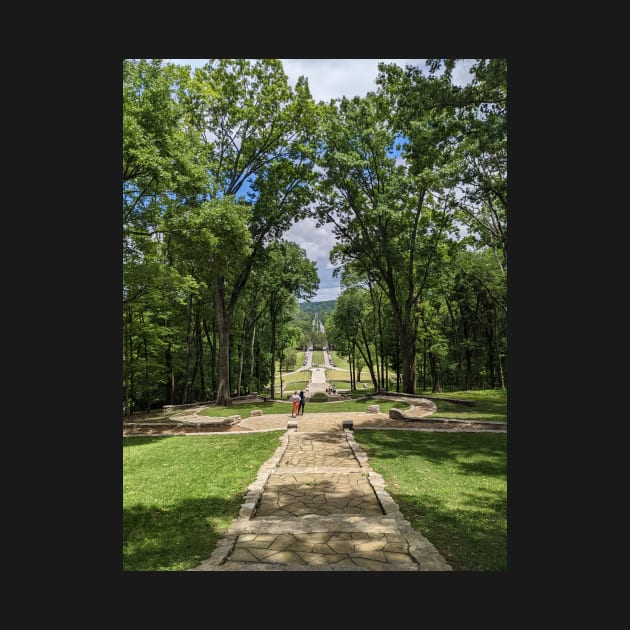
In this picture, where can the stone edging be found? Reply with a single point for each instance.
(424, 553)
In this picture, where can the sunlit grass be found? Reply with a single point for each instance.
(318, 358)
(452, 487)
(181, 493)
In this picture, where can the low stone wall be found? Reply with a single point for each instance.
(173, 424)
(419, 409)
(248, 398)
(381, 393)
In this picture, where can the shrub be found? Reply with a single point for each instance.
(319, 397)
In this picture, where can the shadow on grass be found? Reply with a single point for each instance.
(490, 409)
(459, 502)
(181, 496)
(471, 452)
(474, 539)
(174, 538)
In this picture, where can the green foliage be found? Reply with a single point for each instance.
(290, 359)
(205, 269)
(318, 397)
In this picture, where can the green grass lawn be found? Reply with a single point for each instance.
(490, 405)
(452, 487)
(181, 493)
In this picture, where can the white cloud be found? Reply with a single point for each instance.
(317, 243)
(335, 78)
(461, 72)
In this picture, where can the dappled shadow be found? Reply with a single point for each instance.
(473, 532)
(300, 494)
(492, 410)
(173, 537)
(456, 447)
(472, 536)
(332, 437)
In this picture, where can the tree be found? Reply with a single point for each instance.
(257, 131)
(356, 332)
(390, 222)
(158, 167)
(288, 275)
(216, 234)
(460, 135)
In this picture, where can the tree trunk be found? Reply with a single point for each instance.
(281, 383)
(434, 362)
(223, 328)
(170, 376)
(368, 359)
(128, 364)
(353, 382)
(203, 394)
(188, 350)
(468, 372)
(368, 363)
(146, 377)
(241, 358)
(491, 367)
(498, 352)
(192, 397)
(407, 356)
(212, 369)
(272, 390)
(251, 366)
(424, 368)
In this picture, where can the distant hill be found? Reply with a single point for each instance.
(323, 308)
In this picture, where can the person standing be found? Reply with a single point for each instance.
(295, 399)
(302, 403)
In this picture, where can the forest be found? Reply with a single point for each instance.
(220, 161)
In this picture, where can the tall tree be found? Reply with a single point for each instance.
(258, 134)
(288, 276)
(391, 223)
(158, 166)
(459, 133)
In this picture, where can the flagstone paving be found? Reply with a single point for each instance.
(317, 506)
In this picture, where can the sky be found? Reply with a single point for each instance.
(328, 79)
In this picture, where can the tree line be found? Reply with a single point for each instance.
(220, 161)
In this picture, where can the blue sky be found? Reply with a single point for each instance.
(328, 79)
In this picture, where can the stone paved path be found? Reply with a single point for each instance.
(317, 506)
